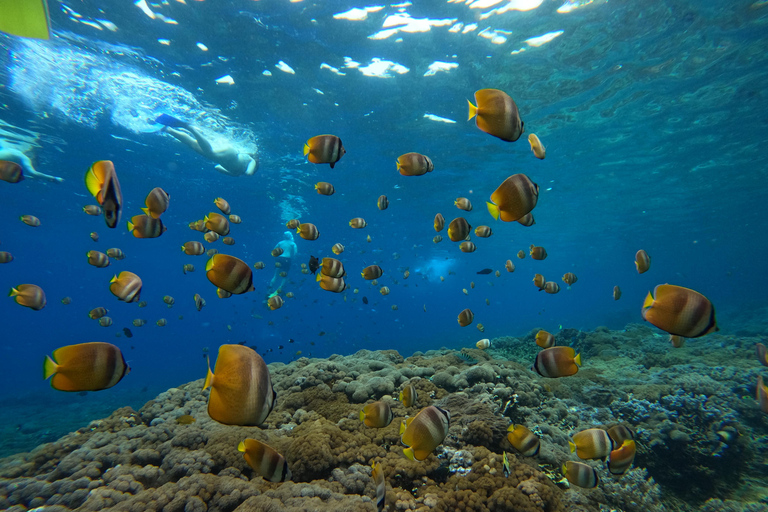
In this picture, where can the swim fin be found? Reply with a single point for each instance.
(25, 18)
(169, 120)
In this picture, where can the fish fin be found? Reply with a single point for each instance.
(183, 249)
(169, 120)
(209, 264)
(13, 293)
(333, 164)
(25, 18)
(241, 447)
(362, 416)
(146, 211)
(493, 210)
(648, 301)
(209, 377)
(130, 226)
(408, 452)
(572, 446)
(319, 278)
(49, 367)
(113, 280)
(577, 359)
(306, 149)
(472, 111)
(564, 469)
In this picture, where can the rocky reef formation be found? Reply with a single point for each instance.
(702, 442)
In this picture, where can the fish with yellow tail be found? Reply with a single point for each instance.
(593, 443)
(157, 202)
(381, 487)
(681, 311)
(408, 395)
(376, 415)
(496, 114)
(414, 164)
(545, 339)
(324, 149)
(144, 226)
(483, 344)
(264, 460)
(514, 198)
(241, 387)
(217, 223)
(458, 229)
(101, 181)
(466, 317)
(223, 206)
(642, 261)
(424, 432)
(126, 286)
(580, 474)
(229, 273)
(85, 367)
(557, 362)
(539, 151)
(524, 441)
(620, 459)
(29, 295)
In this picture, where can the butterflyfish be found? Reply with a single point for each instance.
(308, 231)
(466, 317)
(199, 301)
(217, 223)
(11, 171)
(593, 443)
(332, 267)
(408, 395)
(372, 272)
(170, 301)
(483, 231)
(538, 252)
(539, 151)
(514, 198)
(580, 474)
(97, 259)
(620, 459)
(616, 293)
(557, 362)
(139, 322)
(144, 226)
(101, 181)
(496, 114)
(30, 220)
(6, 257)
(376, 415)
(235, 219)
(483, 344)
(331, 284)
(382, 202)
(198, 225)
(439, 222)
(424, 432)
(126, 286)
(458, 229)
(462, 203)
(551, 287)
(241, 387)
(229, 273)
(116, 253)
(377, 474)
(676, 341)
(642, 261)
(337, 249)
(275, 302)
(358, 223)
(545, 339)
(324, 188)
(521, 254)
(66, 301)
(162, 322)
(97, 313)
(414, 164)
(211, 236)
(569, 278)
(94, 236)
(466, 246)
(222, 294)
(509, 266)
(223, 206)
(85, 367)
(527, 220)
(157, 202)
(277, 251)
(264, 460)
(524, 441)
(259, 265)
(620, 433)
(324, 149)
(193, 248)
(92, 209)
(29, 295)
(539, 281)
(680, 311)
(292, 224)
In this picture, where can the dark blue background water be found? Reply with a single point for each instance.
(653, 117)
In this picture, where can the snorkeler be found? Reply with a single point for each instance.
(17, 157)
(229, 161)
(289, 251)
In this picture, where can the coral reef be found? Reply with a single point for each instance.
(700, 438)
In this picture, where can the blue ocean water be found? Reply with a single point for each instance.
(653, 115)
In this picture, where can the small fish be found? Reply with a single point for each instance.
(277, 252)
(101, 181)
(538, 253)
(6, 257)
(127, 332)
(462, 203)
(331, 284)
(222, 205)
(188, 267)
(29, 295)
(66, 300)
(496, 114)
(97, 259)
(466, 317)
(570, 278)
(308, 231)
(11, 172)
(222, 294)
(382, 202)
(157, 202)
(265, 460)
(116, 253)
(199, 302)
(324, 149)
(229, 273)
(313, 264)
(527, 220)
(593, 443)
(762, 394)
(580, 474)
(365, 300)
(105, 321)
(376, 415)
(293, 224)
(193, 248)
(185, 419)
(620, 459)
(481, 327)
(414, 164)
(539, 151)
(483, 344)
(217, 223)
(94, 236)
(539, 281)
(524, 441)
(458, 229)
(259, 265)
(424, 432)
(235, 219)
(439, 222)
(616, 293)
(509, 266)
(337, 249)
(162, 322)
(514, 198)
(676, 341)
(332, 267)
(557, 362)
(762, 354)
(521, 254)
(97, 313)
(408, 395)
(545, 339)
(483, 231)
(30, 220)
(377, 474)
(485, 271)
(551, 287)
(85, 367)
(324, 188)
(358, 223)
(642, 261)
(144, 226)
(372, 272)
(466, 246)
(437, 239)
(275, 302)
(505, 465)
(384, 290)
(169, 300)
(620, 433)
(680, 311)
(126, 286)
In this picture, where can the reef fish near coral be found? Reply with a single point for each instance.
(381, 485)
(680, 311)
(524, 441)
(241, 387)
(376, 415)
(85, 367)
(264, 460)
(424, 432)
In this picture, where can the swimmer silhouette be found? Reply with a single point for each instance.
(289, 251)
(17, 157)
(229, 161)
